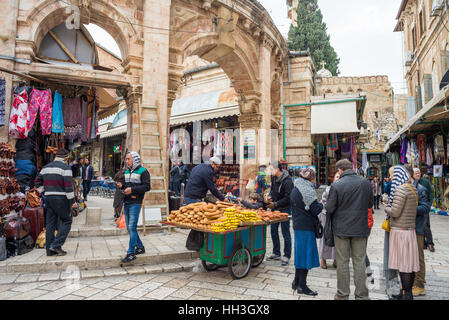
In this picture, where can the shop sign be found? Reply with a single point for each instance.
(117, 148)
(375, 158)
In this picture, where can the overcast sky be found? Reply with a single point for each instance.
(361, 33)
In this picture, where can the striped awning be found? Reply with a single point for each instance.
(113, 132)
(211, 105)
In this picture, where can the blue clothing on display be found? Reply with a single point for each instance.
(57, 119)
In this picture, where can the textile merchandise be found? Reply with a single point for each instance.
(40, 101)
(19, 118)
(84, 118)
(57, 118)
(2, 101)
(421, 144)
(71, 110)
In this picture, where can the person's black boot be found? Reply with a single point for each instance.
(295, 282)
(58, 251)
(302, 287)
(399, 296)
(408, 295)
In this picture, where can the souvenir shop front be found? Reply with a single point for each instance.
(423, 142)
(191, 137)
(54, 104)
(335, 129)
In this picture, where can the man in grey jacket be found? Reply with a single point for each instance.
(349, 200)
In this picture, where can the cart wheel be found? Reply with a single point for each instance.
(209, 266)
(257, 260)
(239, 262)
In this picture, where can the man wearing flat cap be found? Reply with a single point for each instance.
(56, 182)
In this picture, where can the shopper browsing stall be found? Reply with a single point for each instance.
(56, 182)
(137, 183)
(281, 188)
(202, 180)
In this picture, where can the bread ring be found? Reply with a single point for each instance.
(197, 204)
(225, 203)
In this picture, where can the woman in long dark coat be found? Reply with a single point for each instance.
(305, 209)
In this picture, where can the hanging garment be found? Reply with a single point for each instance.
(404, 151)
(71, 111)
(57, 118)
(421, 144)
(409, 154)
(429, 159)
(84, 118)
(415, 154)
(395, 159)
(2, 101)
(19, 118)
(345, 150)
(40, 100)
(439, 145)
(354, 154)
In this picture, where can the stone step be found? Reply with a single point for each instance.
(78, 232)
(59, 264)
(74, 274)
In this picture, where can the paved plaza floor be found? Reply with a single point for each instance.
(184, 278)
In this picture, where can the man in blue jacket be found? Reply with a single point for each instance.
(87, 174)
(202, 180)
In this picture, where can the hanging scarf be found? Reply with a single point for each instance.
(307, 191)
(404, 151)
(2, 101)
(400, 176)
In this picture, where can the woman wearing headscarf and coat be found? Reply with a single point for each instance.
(137, 182)
(305, 209)
(403, 247)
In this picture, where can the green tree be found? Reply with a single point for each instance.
(311, 33)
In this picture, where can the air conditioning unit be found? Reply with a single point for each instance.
(437, 8)
(409, 57)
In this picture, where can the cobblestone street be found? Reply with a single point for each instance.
(188, 280)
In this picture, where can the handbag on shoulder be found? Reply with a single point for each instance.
(328, 233)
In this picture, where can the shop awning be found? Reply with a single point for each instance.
(334, 117)
(429, 115)
(118, 125)
(113, 132)
(211, 105)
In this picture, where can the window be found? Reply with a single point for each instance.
(414, 38)
(422, 25)
(428, 91)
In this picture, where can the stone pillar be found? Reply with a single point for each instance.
(264, 152)
(8, 31)
(133, 102)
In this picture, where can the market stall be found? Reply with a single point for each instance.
(233, 236)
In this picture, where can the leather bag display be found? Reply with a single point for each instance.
(17, 228)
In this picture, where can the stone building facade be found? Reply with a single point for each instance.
(426, 46)
(155, 37)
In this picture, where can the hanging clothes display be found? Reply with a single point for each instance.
(429, 159)
(415, 154)
(421, 144)
(354, 155)
(19, 118)
(40, 101)
(84, 118)
(345, 150)
(57, 118)
(404, 151)
(395, 159)
(71, 111)
(409, 155)
(2, 101)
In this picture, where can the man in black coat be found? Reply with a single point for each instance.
(281, 188)
(87, 174)
(349, 200)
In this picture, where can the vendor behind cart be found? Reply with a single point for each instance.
(202, 180)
